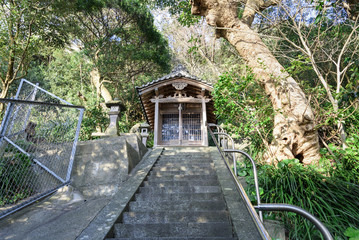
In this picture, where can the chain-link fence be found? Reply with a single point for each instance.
(38, 138)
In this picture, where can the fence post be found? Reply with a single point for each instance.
(73, 151)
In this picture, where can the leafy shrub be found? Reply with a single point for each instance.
(345, 162)
(15, 175)
(94, 119)
(330, 198)
(244, 108)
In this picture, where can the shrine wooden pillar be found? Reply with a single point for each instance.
(180, 124)
(156, 128)
(204, 123)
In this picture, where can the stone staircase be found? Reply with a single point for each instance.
(180, 199)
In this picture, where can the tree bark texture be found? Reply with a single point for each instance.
(294, 133)
(100, 88)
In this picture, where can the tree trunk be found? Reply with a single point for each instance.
(4, 91)
(294, 133)
(100, 88)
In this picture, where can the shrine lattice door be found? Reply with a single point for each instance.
(191, 129)
(181, 128)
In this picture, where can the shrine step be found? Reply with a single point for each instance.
(180, 199)
(184, 152)
(175, 177)
(181, 189)
(168, 183)
(180, 162)
(174, 238)
(176, 217)
(214, 229)
(179, 196)
(201, 205)
(183, 168)
(160, 173)
(184, 158)
(177, 164)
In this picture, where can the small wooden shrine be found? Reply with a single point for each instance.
(177, 107)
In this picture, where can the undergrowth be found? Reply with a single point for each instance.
(330, 198)
(15, 176)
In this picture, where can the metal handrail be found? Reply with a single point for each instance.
(219, 129)
(291, 208)
(233, 155)
(267, 206)
(255, 175)
(252, 211)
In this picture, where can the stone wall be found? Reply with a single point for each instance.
(100, 166)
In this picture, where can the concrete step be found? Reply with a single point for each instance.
(169, 183)
(176, 217)
(180, 230)
(182, 177)
(175, 238)
(179, 163)
(158, 172)
(183, 168)
(184, 163)
(178, 196)
(180, 199)
(181, 189)
(185, 154)
(143, 206)
(184, 158)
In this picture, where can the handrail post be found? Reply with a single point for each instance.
(233, 155)
(255, 175)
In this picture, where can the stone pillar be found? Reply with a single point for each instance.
(144, 127)
(114, 115)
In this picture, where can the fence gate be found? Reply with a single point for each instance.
(38, 137)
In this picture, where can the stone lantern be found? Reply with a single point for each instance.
(114, 115)
(144, 129)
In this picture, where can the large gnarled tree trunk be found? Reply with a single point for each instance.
(100, 88)
(294, 133)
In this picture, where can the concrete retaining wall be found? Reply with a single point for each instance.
(101, 165)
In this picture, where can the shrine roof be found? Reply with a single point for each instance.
(178, 72)
(165, 87)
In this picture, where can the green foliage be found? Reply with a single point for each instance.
(89, 5)
(150, 140)
(94, 120)
(243, 108)
(120, 42)
(66, 75)
(330, 198)
(126, 51)
(346, 161)
(26, 28)
(352, 233)
(179, 8)
(118, 34)
(155, 47)
(15, 175)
